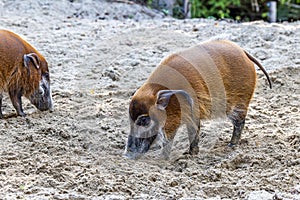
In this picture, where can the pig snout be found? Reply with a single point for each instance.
(42, 97)
(136, 147)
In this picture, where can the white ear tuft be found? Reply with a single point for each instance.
(163, 98)
(31, 57)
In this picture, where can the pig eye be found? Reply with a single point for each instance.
(143, 120)
(46, 75)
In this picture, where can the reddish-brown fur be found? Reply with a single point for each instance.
(14, 76)
(235, 68)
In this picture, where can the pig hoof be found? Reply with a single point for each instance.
(231, 145)
(194, 151)
(22, 114)
(131, 155)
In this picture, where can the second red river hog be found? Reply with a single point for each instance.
(215, 79)
(23, 72)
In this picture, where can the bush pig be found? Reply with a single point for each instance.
(23, 72)
(211, 80)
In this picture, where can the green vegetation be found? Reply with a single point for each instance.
(240, 10)
(289, 10)
(213, 8)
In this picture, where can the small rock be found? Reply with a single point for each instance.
(64, 135)
(262, 55)
(294, 110)
(113, 74)
(174, 183)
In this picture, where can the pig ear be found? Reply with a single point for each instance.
(31, 57)
(163, 98)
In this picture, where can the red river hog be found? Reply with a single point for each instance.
(214, 79)
(23, 72)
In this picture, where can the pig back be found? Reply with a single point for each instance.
(216, 74)
(12, 70)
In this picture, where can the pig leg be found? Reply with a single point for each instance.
(238, 120)
(237, 130)
(193, 133)
(166, 143)
(15, 97)
(1, 115)
(166, 149)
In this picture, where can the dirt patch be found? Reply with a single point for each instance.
(96, 63)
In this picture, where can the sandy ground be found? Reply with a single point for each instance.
(99, 54)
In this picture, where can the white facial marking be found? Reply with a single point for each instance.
(160, 139)
(45, 82)
(41, 89)
(51, 101)
(144, 131)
